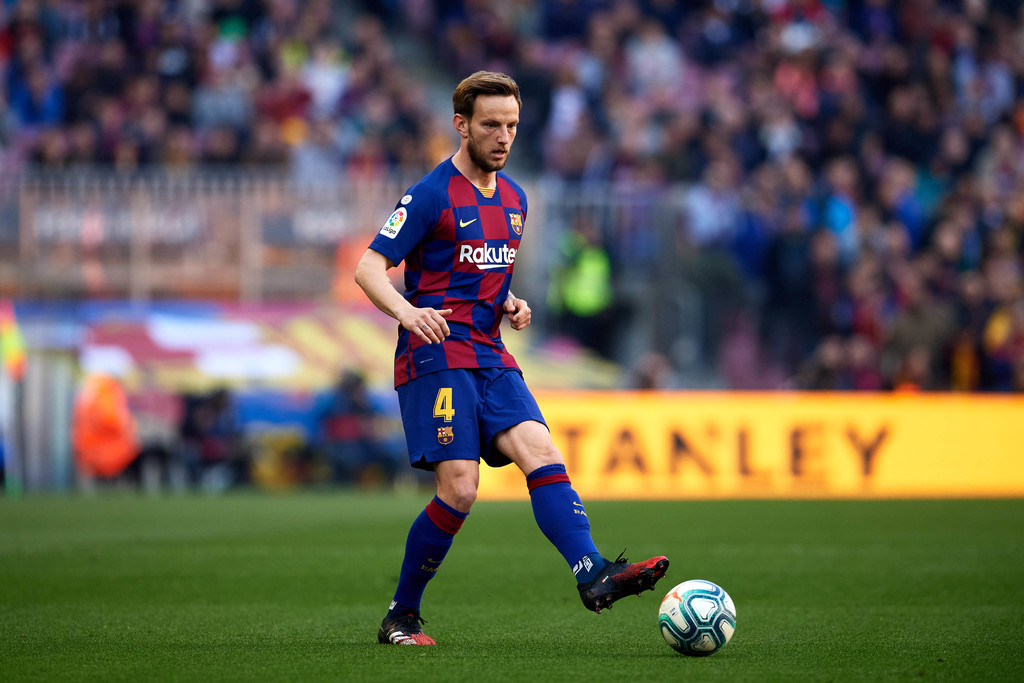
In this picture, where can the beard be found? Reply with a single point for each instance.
(482, 161)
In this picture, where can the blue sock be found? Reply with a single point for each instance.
(429, 539)
(561, 516)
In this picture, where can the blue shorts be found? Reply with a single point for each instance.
(455, 414)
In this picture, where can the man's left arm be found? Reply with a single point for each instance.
(518, 311)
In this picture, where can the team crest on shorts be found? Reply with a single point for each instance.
(445, 435)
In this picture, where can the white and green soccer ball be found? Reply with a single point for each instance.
(697, 618)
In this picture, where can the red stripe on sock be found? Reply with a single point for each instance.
(444, 520)
(549, 479)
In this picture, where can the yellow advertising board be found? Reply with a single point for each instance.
(635, 445)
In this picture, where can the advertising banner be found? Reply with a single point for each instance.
(700, 445)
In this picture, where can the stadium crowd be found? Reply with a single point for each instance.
(854, 168)
(181, 83)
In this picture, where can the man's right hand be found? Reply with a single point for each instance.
(428, 324)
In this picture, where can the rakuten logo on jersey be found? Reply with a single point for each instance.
(486, 258)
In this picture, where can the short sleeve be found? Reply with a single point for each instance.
(414, 217)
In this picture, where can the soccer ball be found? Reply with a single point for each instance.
(697, 618)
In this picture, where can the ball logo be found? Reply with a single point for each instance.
(697, 618)
(445, 435)
(394, 223)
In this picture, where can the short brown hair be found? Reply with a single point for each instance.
(483, 83)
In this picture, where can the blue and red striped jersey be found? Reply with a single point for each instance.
(459, 248)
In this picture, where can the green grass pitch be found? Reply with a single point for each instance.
(292, 588)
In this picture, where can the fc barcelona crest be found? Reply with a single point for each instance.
(516, 221)
(445, 435)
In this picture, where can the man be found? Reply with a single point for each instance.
(462, 395)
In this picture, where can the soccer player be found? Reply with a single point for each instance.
(461, 393)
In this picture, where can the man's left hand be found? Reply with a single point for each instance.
(518, 312)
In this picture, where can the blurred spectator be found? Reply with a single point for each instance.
(103, 432)
(651, 371)
(839, 213)
(349, 435)
(38, 101)
(789, 304)
(213, 442)
(1003, 345)
(712, 205)
(914, 372)
(826, 370)
(864, 373)
(581, 290)
(920, 335)
(317, 158)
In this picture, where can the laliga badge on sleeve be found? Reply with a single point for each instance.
(395, 223)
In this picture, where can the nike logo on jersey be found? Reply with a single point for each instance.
(463, 223)
(486, 258)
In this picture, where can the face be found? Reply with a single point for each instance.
(489, 134)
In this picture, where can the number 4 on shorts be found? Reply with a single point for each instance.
(443, 404)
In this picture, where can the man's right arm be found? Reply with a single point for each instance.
(372, 277)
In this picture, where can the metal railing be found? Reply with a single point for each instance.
(253, 236)
(238, 236)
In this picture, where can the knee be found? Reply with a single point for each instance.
(529, 446)
(541, 457)
(550, 455)
(460, 494)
